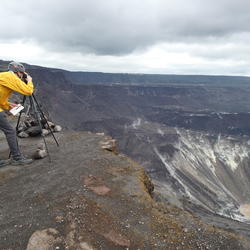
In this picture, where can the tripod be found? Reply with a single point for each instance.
(39, 116)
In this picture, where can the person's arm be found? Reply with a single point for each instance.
(16, 84)
(8, 105)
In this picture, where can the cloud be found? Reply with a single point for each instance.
(118, 27)
(146, 36)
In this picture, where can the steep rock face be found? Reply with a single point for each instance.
(207, 174)
(192, 153)
(212, 171)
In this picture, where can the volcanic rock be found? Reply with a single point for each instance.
(90, 198)
(23, 135)
(57, 128)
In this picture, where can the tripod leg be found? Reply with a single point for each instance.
(19, 117)
(33, 105)
(43, 116)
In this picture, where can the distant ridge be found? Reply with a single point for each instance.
(79, 77)
(161, 79)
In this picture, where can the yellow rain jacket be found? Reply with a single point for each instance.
(10, 82)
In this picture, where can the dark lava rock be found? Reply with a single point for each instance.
(33, 131)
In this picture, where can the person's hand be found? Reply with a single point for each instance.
(13, 105)
(29, 78)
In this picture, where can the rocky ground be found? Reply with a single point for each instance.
(91, 197)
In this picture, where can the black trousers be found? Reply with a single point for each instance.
(11, 136)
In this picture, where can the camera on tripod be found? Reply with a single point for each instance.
(25, 78)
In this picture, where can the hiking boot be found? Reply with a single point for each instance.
(4, 162)
(21, 161)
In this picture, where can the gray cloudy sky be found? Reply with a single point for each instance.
(144, 36)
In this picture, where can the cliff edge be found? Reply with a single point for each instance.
(91, 197)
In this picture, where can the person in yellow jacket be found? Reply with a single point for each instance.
(10, 81)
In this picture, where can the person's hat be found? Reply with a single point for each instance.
(16, 67)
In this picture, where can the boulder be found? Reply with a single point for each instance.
(49, 124)
(109, 145)
(45, 132)
(21, 128)
(33, 131)
(44, 240)
(40, 154)
(23, 134)
(41, 146)
(57, 128)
